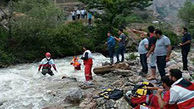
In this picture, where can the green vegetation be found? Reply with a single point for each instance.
(114, 12)
(186, 13)
(39, 27)
(132, 56)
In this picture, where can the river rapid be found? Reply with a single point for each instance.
(21, 87)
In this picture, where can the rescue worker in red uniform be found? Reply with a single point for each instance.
(88, 62)
(158, 101)
(181, 91)
(75, 62)
(46, 65)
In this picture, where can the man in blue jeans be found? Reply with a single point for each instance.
(162, 51)
(121, 49)
(111, 46)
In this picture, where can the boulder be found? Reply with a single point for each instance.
(88, 103)
(122, 104)
(109, 104)
(74, 96)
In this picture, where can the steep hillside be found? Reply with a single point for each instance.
(167, 9)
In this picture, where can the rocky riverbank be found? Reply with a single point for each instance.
(86, 96)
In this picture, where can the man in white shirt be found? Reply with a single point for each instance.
(83, 13)
(181, 91)
(78, 14)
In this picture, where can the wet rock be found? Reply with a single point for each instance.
(74, 95)
(109, 104)
(100, 102)
(135, 79)
(1, 103)
(91, 105)
(122, 104)
(88, 103)
(105, 63)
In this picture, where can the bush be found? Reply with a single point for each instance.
(131, 56)
(175, 40)
(40, 29)
(133, 18)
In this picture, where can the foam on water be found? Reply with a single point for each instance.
(21, 87)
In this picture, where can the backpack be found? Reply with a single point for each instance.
(140, 90)
(139, 94)
(111, 94)
(116, 94)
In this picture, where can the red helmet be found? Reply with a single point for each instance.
(48, 54)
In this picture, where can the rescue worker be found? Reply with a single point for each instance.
(75, 62)
(158, 101)
(181, 91)
(88, 62)
(163, 95)
(46, 65)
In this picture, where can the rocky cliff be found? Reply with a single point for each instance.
(167, 9)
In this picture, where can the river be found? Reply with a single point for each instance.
(21, 87)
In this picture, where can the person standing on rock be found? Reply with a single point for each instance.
(152, 41)
(185, 47)
(88, 62)
(162, 51)
(142, 50)
(121, 49)
(151, 54)
(47, 63)
(111, 46)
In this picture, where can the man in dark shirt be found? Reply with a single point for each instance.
(121, 40)
(185, 46)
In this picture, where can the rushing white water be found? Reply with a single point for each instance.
(21, 87)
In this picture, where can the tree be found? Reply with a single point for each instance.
(111, 15)
(114, 11)
(186, 13)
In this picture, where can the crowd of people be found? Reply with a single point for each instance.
(154, 45)
(82, 14)
(176, 92)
